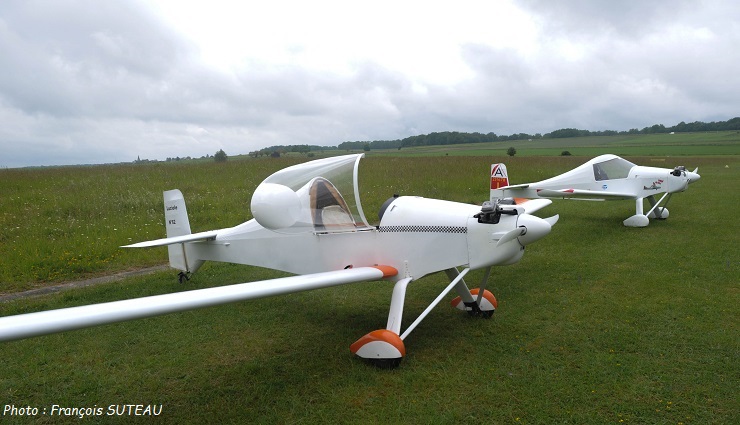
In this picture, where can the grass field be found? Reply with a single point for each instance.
(694, 144)
(597, 324)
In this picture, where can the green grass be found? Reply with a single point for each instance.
(63, 223)
(597, 324)
(682, 144)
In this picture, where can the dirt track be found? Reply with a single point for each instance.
(81, 283)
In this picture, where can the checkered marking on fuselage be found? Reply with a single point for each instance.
(423, 229)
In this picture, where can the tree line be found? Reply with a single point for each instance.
(682, 127)
(455, 137)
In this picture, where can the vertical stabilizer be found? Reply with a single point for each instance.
(175, 214)
(178, 224)
(499, 178)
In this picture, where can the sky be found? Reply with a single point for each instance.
(89, 82)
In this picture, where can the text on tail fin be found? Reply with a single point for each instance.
(499, 176)
(175, 214)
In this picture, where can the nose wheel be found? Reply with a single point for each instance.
(478, 302)
(484, 305)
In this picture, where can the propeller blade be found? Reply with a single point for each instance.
(552, 220)
(511, 235)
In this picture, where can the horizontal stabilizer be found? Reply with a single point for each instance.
(53, 321)
(513, 191)
(515, 186)
(195, 237)
(532, 205)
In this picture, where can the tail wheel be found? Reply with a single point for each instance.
(183, 277)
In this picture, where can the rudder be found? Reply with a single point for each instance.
(499, 179)
(176, 214)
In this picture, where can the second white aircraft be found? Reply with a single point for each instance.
(606, 177)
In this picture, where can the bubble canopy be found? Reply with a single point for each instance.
(320, 196)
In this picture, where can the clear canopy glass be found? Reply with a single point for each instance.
(616, 168)
(326, 192)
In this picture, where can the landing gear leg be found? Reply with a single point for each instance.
(661, 213)
(639, 219)
(384, 347)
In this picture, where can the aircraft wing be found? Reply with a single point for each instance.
(582, 194)
(194, 237)
(53, 321)
(531, 191)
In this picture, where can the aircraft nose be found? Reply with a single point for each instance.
(693, 176)
(536, 228)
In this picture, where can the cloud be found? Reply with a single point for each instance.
(630, 19)
(90, 82)
(614, 65)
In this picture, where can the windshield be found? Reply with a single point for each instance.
(616, 168)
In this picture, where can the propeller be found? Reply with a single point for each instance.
(536, 228)
(685, 178)
(552, 220)
(693, 175)
(530, 229)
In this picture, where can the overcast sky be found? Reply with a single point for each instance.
(109, 81)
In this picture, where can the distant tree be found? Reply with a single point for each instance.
(275, 154)
(220, 156)
(565, 153)
(366, 147)
(511, 151)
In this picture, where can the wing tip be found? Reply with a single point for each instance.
(388, 271)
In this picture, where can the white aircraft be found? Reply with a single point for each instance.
(606, 177)
(308, 220)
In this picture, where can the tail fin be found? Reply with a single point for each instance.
(178, 224)
(176, 214)
(499, 178)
